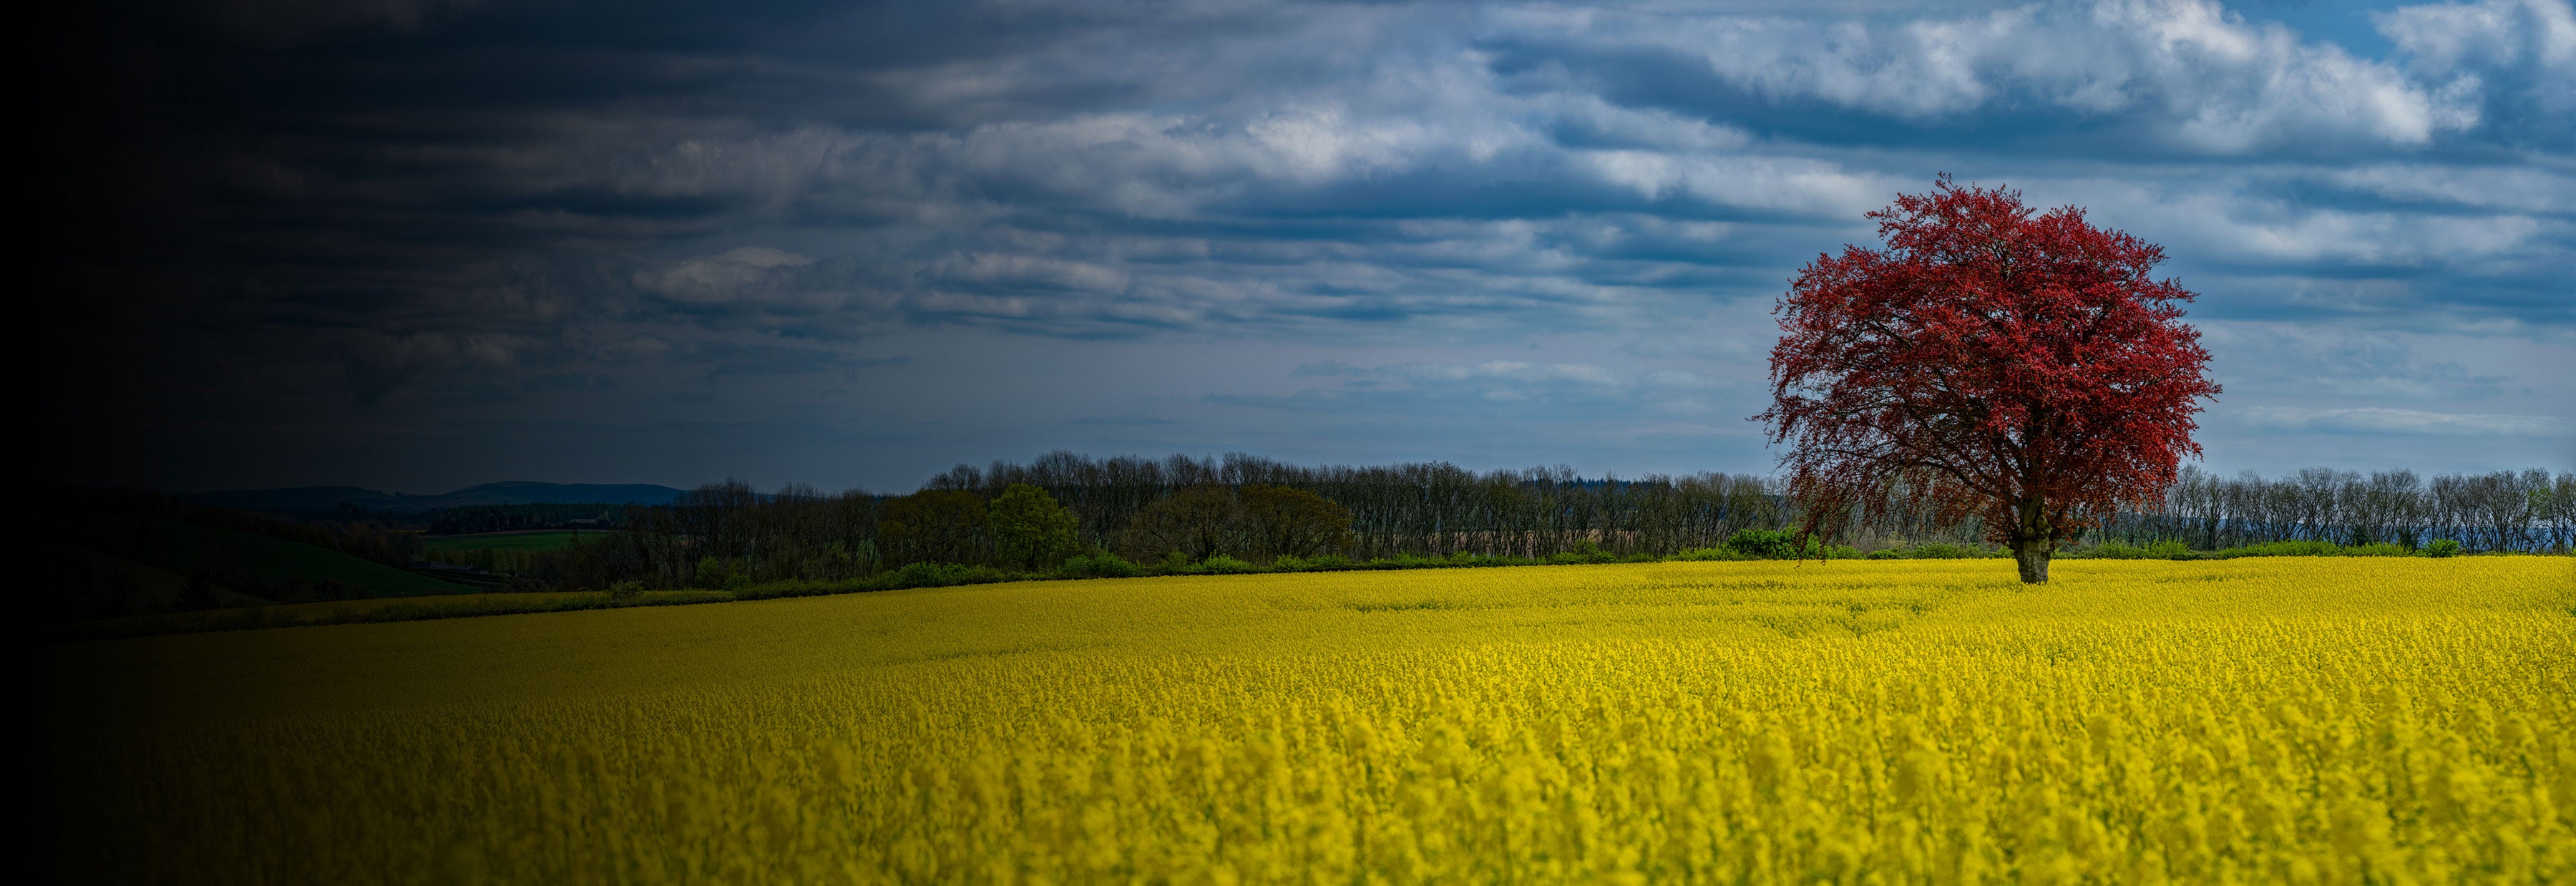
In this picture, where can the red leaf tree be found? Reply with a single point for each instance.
(1988, 362)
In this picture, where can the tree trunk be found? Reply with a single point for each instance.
(2033, 557)
(2033, 541)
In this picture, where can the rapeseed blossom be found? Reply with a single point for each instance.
(2285, 720)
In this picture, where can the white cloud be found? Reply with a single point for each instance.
(1001, 221)
(2515, 189)
(1780, 183)
(1027, 272)
(742, 274)
(1516, 371)
(2489, 34)
(765, 257)
(2382, 420)
(1440, 187)
(2520, 55)
(2275, 216)
(2211, 80)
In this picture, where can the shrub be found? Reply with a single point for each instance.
(1317, 563)
(1224, 565)
(2442, 547)
(1930, 550)
(625, 592)
(1585, 551)
(1719, 554)
(914, 575)
(2115, 549)
(2378, 549)
(1782, 544)
(1588, 551)
(1099, 564)
(2281, 549)
(936, 575)
(797, 587)
(1766, 544)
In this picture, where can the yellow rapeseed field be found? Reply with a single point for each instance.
(2265, 720)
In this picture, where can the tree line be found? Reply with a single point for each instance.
(1241, 506)
(473, 519)
(2528, 510)
(1035, 516)
(1071, 514)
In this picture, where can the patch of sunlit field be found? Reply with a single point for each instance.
(2323, 720)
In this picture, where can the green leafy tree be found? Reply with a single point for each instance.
(1194, 523)
(1031, 531)
(1280, 521)
(933, 526)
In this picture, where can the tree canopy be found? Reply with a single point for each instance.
(933, 526)
(1196, 523)
(1031, 530)
(1261, 521)
(1282, 521)
(1989, 361)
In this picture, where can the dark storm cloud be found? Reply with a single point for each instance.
(308, 218)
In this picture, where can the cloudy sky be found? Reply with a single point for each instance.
(416, 245)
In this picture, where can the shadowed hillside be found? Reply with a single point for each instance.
(310, 499)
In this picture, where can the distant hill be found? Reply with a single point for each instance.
(307, 499)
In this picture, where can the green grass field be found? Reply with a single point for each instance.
(181, 547)
(549, 540)
(155, 588)
(249, 614)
